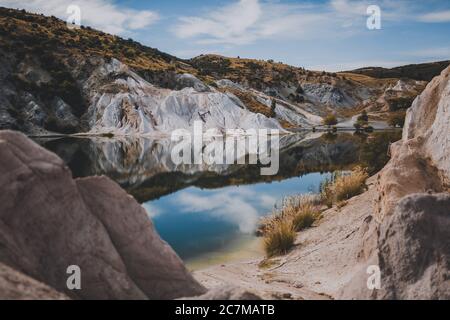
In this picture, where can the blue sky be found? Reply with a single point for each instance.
(322, 35)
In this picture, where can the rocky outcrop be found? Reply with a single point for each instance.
(421, 160)
(122, 103)
(414, 249)
(409, 238)
(73, 83)
(17, 286)
(48, 222)
(428, 120)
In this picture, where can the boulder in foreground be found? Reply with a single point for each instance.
(49, 221)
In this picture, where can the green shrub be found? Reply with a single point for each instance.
(363, 117)
(330, 120)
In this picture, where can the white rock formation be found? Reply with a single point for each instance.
(123, 103)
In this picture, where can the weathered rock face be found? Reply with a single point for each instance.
(406, 173)
(48, 221)
(17, 286)
(411, 224)
(421, 161)
(414, 249)
(429, 118)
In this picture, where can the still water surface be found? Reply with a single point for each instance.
(209, 214)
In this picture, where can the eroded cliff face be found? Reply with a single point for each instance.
(122, 103)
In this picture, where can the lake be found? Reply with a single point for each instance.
(209, 213)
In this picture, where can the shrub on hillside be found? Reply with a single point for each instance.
(330, 120)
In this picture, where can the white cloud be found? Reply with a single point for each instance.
(248, 20)
(229, 22)
(100, 14)
(436, 17)
(238, 206)
(347, 7)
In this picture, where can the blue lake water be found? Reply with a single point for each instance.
(209, 215)
(198, 222)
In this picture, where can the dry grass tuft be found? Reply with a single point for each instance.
(297, 213)
(348, 186)
(300, 212)
(279, 239)
(306, 215)
(342, 187)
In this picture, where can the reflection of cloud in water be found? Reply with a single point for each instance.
(240, 206)
(152, 211)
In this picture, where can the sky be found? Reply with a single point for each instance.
(327, 35)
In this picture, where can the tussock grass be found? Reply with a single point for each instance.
(348, 186)
(300, 212)
(342, 187)
(296, 214)
(279, 239)
(305, 217)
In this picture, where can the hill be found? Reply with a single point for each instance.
(421, 72)
(55, 79)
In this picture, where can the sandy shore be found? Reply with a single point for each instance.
(323, 261)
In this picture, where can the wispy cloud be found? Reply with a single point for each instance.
(105, 15)
(436, 17)
(246, 21)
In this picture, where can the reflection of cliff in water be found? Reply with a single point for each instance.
(145, 169)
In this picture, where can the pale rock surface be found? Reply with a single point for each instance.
(421, 160)
(429, 118)
(414, 249)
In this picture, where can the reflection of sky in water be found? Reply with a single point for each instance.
(195, 221)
